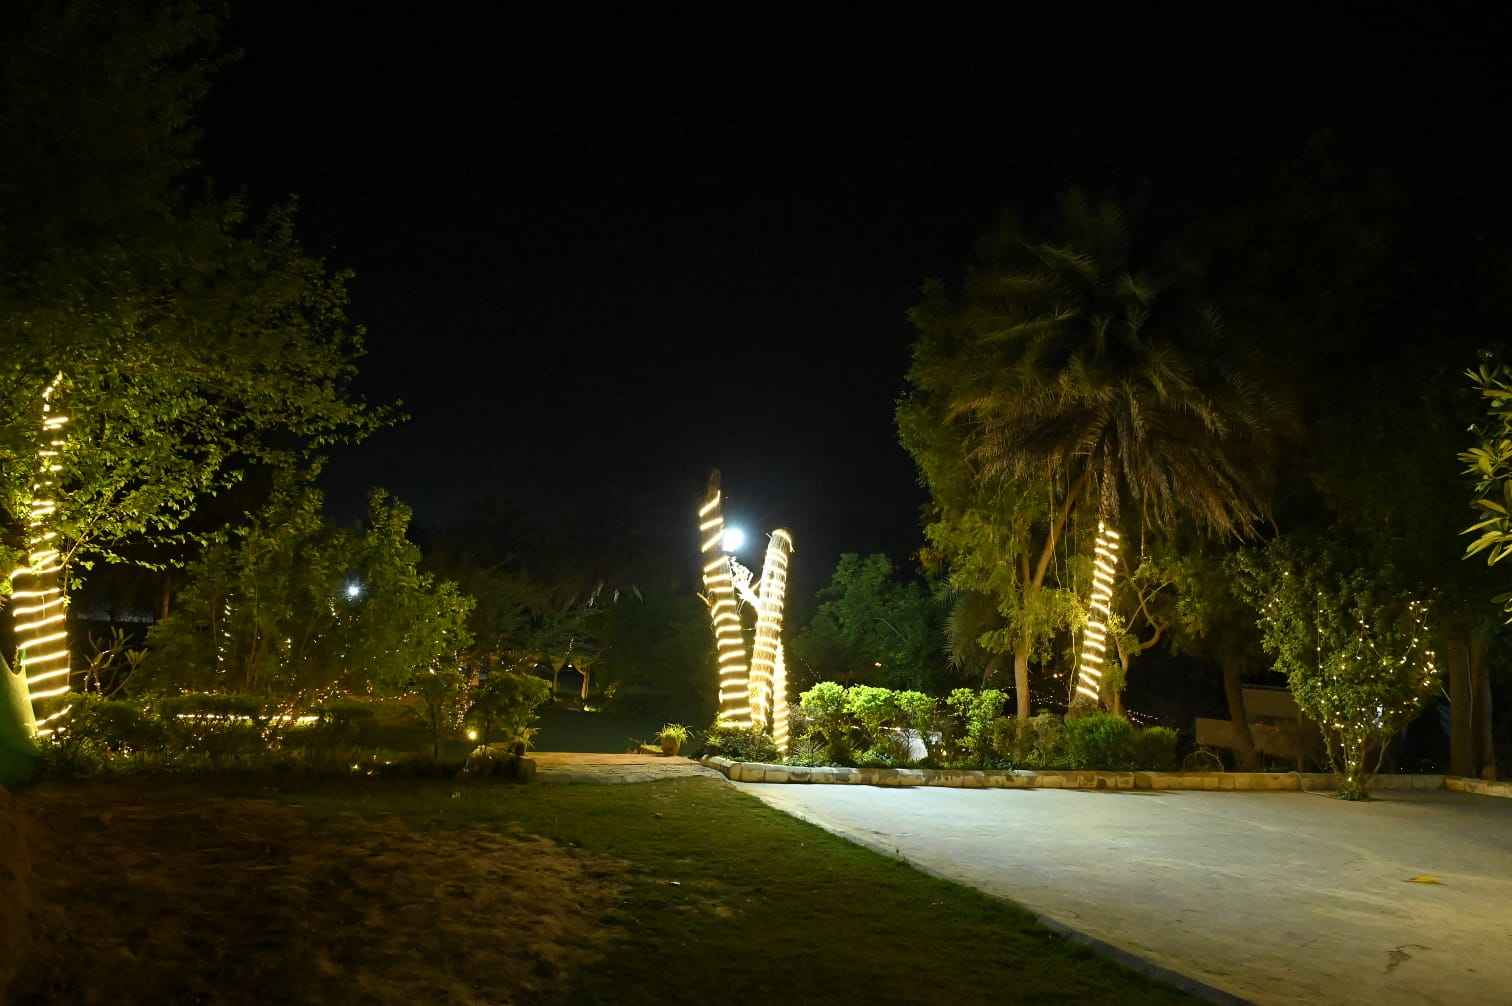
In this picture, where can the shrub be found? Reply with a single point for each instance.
(507, 702)
(1003, 741)
(1043, 740)
(824, 706)
(973, 713)
(874, 709)
(739, 744)
(1154, 749)
(216, 726)
(1100, 741)
(918, 713)
(807, 750)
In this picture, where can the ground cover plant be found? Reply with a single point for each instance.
(425, 890)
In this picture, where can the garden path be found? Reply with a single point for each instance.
(1271, 897)
(572, 766)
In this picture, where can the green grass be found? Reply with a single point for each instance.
(713, 898)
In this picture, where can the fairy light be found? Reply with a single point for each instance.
(1099, 601)
(42, 651)
(771, 597)
(779, 701)
(719, 592)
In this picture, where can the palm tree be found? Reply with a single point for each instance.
(1062, 374)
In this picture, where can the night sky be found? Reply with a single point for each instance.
(589, 290)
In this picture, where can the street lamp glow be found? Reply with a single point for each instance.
(733, 539)
(353, 590)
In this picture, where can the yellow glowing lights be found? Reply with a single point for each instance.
(41, 632)
(1095, 639)
(719, 593)
(771, 597)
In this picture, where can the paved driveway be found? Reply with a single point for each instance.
(1274, 897)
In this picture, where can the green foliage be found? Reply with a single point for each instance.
(1043, 739)
(973, 713)
(740, 744)
(1100, 741)
(673, 735)
(873, 709)
(441, 691)
(1354, 646)
(824, 705)
(1003, 740)
(268, 610)
(871, 626)
(920, 714)
(1490, 463)
(506, 702)
(1154, 749)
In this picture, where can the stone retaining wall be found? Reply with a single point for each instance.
(1461, 784)
(1069, 779)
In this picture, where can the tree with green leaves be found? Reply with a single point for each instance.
(1355, 647)
(872, 626)
(1065, 376)
(191, 344)
(292, 607)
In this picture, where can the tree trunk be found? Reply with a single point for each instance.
(18, 727)
(1461, 722)
(165, 599)
(1244, 742)
(1021, 677)
(1485, 737)
(584, 672)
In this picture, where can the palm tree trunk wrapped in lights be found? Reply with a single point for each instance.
(772, 595)
(719, 595)
(1099, 605)
(41, 606)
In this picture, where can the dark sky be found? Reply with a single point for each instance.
(588, 290)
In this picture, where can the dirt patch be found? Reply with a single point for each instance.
(246, 900)
(15, 889)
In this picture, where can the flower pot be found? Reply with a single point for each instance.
(670, 746)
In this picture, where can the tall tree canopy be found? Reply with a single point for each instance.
(1066, 374)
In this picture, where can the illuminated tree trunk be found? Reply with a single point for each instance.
(772, 594)
(40, 604)
(1099, 609)
(780, 702)
(719, 594)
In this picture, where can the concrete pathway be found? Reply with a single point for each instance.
(1273, 897)
(559, 766)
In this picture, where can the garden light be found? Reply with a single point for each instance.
(353, 590)
(733, 539)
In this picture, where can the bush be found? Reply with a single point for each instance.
(219, 727)
(1043, 742)
(1100, 741)
(973, 713)
(807, 750)
(824, 707)
(506, 702)
(1154, 750)
(1003, 741)
(874, 709)
(739, 744)
(918, 713)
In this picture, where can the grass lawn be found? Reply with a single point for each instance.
(422, 891)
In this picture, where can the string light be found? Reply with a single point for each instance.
(779, 701)
(42, 641)
(1095, 639)
(719, 592)
(770, 600)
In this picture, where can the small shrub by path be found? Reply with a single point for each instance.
(421, 891)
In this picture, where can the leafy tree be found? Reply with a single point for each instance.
(869, 626)
(194, 344)
(1063, 375)
(506, 701)
(293, 607)
(1355, 650)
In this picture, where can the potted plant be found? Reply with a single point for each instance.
(672, 737)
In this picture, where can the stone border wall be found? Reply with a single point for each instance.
(1072, 779)
(1461, 784)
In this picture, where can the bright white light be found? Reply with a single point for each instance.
(354, 590)
(733, 539)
